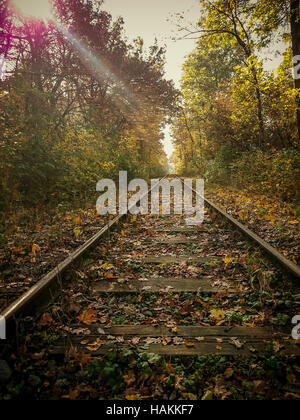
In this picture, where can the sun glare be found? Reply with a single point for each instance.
(37, 9)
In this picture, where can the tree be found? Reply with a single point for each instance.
(275, 15)
(228, 22)
(79, 103)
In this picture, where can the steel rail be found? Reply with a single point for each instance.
(265, 246)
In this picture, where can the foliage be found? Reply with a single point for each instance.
(79, 103)
(235, 121)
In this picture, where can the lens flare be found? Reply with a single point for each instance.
(35, 9)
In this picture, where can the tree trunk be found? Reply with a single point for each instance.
(295, 30)
(260, 117)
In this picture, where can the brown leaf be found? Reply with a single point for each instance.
(96, 345)
(166, 341)
(235, 342)
(88, 317)
(228, 373)
(35, 248)
(111, 276)
(130, 379)
(259, 386)
(220, 391)
(277, 346)
(73, 395)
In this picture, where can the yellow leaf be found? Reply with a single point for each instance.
(73, 395)
(132, 397)
(190, 344)
(123, 232)
(77, 221)
(35, 249)
(217, 314)
(242, 215)
(96, 346)
(77, 232)
(227, 260)
(107, 266)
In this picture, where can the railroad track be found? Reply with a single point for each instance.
(155, 284)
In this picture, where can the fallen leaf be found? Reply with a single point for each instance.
(220, 391)
(111, 276)
(235, 342)
(217, 314)
(228, 373)
(277, 346)
(35, 248)
(107, 266)
(135, 341)
(188, 344)
(88, 317)
(77, 221)
(73, 395)
(132, 397)
(96, 345)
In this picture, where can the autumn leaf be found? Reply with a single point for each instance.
(166, 341)
(17, 250)
(73, 395)
(217, 314)
(107, 266)
(235, 342)
(227, 260)
(77, 232)
(82, 358)
(188, 344)
(242, 215)
(96, 345)
(135, 341)
(111, 276)
(88, 317)
(132, 397)
(77, 221)
(35, 248)
(228, 373)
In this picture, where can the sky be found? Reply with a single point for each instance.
(149, 20)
